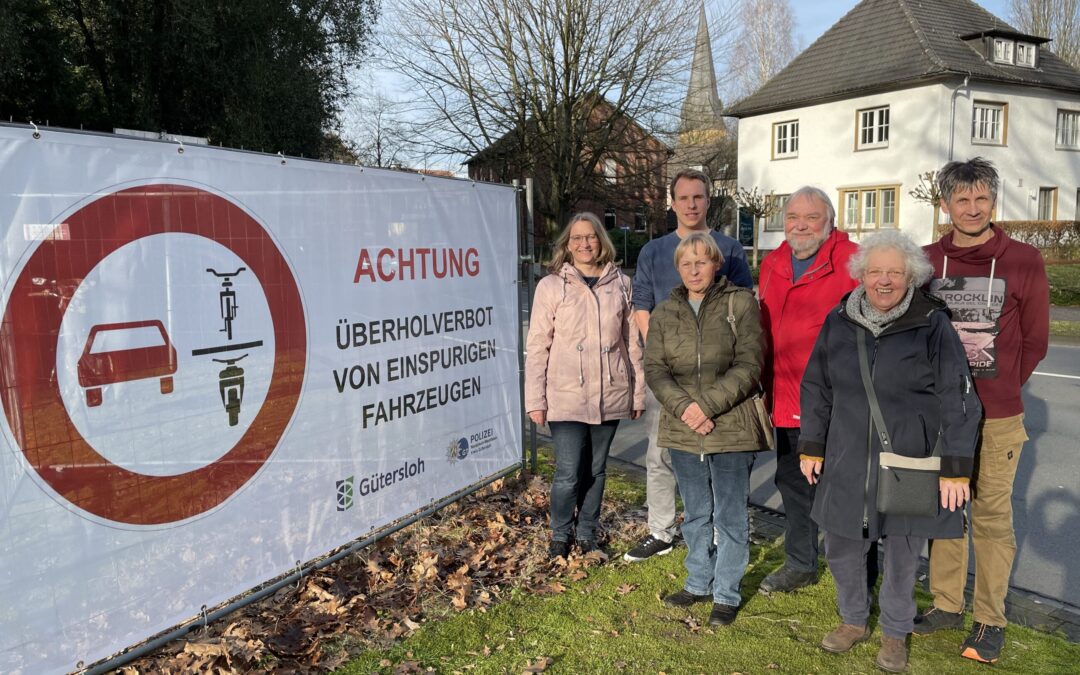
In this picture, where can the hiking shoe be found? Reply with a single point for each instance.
(844, 637)
(648, 547)
(558, 549)
(722, 615)
(984, 643)
(587, 545)
(934, 619)
(685, 599)
(892, 657)
(788, 579)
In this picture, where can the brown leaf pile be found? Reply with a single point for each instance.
(465, 557)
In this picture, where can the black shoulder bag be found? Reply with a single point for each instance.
(907, 486)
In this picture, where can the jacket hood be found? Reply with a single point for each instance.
(918, 314)
(983, 254)
(571, 274)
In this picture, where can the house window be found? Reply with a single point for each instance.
(1025, 54)
(775, 223)
(1068, 130)
(869, 208)
(873, 125)
(1047, 203)
(610, 171)
(641, 222)
(785, 139)
(989, 123)
(1003, 50)
(610, 219)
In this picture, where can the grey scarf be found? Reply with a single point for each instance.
(864, 314)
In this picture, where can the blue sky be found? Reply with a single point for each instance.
(814, 17)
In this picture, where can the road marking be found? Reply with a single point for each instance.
(1067, 377)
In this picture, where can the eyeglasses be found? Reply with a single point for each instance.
(894, 275)
(578, 238)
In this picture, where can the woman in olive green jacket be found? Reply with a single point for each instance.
(702, 360)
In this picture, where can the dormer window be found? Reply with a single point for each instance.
(1025, 54)
(1015, 52)
(1003, 50)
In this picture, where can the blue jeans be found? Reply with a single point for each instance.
(716, 522)
(581, 452)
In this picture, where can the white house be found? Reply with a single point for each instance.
(897, 88)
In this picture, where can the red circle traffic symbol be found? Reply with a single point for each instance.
(29, 334)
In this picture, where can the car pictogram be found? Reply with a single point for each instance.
(102, 367)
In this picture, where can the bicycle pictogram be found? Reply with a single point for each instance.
(227, 298)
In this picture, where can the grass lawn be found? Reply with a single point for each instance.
(612, 621)
(1064, 285)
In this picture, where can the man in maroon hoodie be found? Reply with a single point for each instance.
(997, 290)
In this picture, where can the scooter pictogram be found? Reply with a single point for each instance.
(231, 386)
(227, 298)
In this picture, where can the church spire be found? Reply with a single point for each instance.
(701, 111)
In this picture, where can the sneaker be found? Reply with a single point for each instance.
(558, 549)
(844, 637)
(722, 615)
(685, 599)
(587, 545)
(934, 619)
(984, 643)
(648, 547)
(788, 579)
(892, 657)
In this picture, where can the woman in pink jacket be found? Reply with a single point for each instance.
(583, 372)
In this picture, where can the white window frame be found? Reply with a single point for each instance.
(785, 139)
(775, 222)
(863, 209)
(1026, 54)
(1067, 134)
(872, 128)
(989, 123)
(1004, 50)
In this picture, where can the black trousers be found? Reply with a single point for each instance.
(801, 536)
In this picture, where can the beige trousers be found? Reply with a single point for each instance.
(991, 529)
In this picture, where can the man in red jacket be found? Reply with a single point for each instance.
(997, 290)
(799, 283)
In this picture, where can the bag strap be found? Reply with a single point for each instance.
(731, 315)
(875, 409)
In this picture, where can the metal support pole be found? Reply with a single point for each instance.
(530, 249)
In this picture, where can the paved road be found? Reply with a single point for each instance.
(1047, 493)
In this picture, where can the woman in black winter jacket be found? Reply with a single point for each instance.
(920, 376)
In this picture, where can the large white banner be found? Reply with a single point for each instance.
(215, 365)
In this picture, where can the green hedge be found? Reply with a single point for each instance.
(1059, 240)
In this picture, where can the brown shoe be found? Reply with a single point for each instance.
(844, 638)
(893, 655)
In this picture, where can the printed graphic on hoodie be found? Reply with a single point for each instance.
(976, 304)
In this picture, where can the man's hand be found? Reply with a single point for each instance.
(538, 416)
(811, 468)
(954, 494)
(636, 414)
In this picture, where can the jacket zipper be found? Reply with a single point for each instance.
(869, 449)
(697, 324)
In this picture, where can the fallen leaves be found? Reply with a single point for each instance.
(463, 558)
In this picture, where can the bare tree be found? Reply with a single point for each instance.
(763, 47)
(379, 130)
(560, 90)
(1058, 20)
(761, 206)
